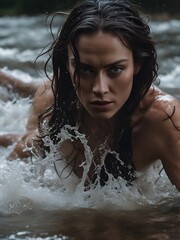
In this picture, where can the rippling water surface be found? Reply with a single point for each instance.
(35, 203)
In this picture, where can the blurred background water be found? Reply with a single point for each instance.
(33, 201)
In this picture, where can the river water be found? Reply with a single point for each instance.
(35, 203)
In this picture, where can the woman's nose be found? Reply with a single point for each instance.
(100, 84)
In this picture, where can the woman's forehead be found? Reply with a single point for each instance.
(100, 50)
(100, 44)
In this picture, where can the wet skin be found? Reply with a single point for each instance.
(106, 74)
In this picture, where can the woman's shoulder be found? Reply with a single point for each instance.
(157, 114)
(158, 105)
(156, 128)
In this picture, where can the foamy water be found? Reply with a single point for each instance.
(32, 185)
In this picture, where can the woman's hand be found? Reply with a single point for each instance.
(24, 146)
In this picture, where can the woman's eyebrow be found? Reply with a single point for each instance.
(116, 62)
(106, 66)
(82, 64)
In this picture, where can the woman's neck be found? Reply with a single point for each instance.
(98, 131)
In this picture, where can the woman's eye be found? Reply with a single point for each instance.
(116, 69)
(85, 70)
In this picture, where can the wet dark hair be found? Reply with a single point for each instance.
(120, 18)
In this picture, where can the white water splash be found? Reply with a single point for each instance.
(172, 79)
(13, 115)
(29, 185)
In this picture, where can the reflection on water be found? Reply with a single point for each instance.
(152, 223)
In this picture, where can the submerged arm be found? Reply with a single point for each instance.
(42, 99)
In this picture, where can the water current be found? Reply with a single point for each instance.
(35, 203)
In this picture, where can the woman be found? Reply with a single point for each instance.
(104, 65)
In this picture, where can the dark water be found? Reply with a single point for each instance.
(33, 204)
(160, 222)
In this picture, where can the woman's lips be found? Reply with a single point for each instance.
(101, 105)
(100, 102)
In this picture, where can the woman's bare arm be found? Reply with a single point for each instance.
(42, 99)
(170, 148)
(156, 134)
(23, 89)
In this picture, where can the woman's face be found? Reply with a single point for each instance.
(106, 74)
